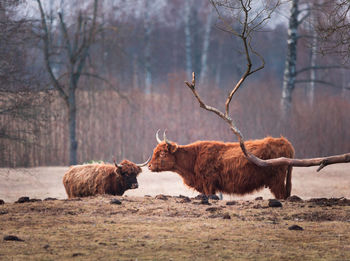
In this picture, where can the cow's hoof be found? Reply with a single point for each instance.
(201, 196)
(214, 197)
(205, 201)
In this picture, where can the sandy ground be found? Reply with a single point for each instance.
(43, 182)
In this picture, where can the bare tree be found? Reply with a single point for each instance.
(206, 43)
(22, 104)
(76, 46)
(188, 37)
(252, 21)
(289, 76)
(148, 27)
(310, 16)
(310, 91)
(12, 32)
(334, 27)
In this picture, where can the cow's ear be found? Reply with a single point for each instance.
(118, 170)
(118, 167)
(172, 147)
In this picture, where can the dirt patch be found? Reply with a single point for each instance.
(164, 220)
(149, 228)
(330, 201)
(318, 216)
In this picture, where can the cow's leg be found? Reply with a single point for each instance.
(210, 196)
(202, 197)
(276, 191)
(277, 186)
(208, 191)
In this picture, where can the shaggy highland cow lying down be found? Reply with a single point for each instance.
(93, 179)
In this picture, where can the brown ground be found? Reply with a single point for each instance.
(172, 227)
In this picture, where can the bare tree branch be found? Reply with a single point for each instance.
(334, 27)
(47, 54)
(316, 81)
(321, 162)
(66, 36)
(83, 38)
(248, 26)
(223, 116)
(301, 20)
(77, 32)
(109, 84)
(321, 67)
(244, 35)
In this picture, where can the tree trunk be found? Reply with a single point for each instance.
(135, 72)
(72, 113)
(206, 42)
(188, 39)
(291, 59)
(77, 49)
(218, 66)
(148, 31)
(310, 92)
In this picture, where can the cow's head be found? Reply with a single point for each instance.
(163, 155)
(129, 172)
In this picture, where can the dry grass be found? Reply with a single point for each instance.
(146, 228)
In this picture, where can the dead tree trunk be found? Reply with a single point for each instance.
(77, 48)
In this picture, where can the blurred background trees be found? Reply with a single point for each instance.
(22, 104)
(65, 54)
(144, 50)
(305, 22)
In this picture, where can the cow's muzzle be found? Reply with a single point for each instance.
(153, 167)
(134, 186)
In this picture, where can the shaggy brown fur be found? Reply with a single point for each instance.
(211, 166)
(92, 179)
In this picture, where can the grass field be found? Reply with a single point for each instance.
(170, 227)
(157, 229)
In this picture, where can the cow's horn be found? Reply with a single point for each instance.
(145, 163)
(165, 138)
(115, 163)
(157, 137)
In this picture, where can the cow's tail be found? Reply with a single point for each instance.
(289, 181)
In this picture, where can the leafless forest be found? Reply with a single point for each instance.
(132, 82)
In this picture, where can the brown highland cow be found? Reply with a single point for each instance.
(212, 166)
(92, 179)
